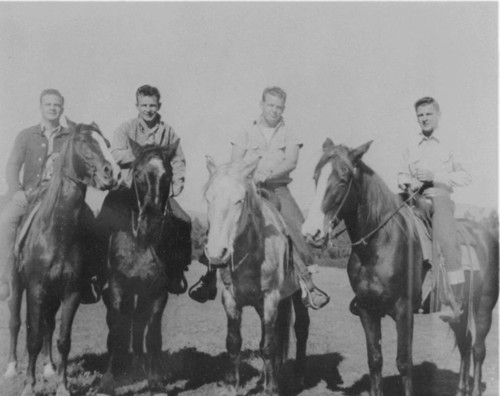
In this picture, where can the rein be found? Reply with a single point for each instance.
(362, 241)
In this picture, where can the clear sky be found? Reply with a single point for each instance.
(352, 72)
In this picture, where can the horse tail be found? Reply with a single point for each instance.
(283, 324)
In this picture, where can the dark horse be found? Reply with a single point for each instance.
(137, 274)
(51, 258)
(247, 239)
(385, 267)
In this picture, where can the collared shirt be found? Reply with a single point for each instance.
(272, 151)
(29, 154)
(432, 153)
(162, 134)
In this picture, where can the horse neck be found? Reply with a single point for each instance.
(65, 195)
(250, 225)
(374, 203)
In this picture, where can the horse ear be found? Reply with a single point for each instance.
(93, 124)
(211, 166)
(249, 169)
(357, 153)
(71, 124)
(135, 147)
(328, 145)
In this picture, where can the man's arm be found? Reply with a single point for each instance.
(120, 149)
(15, 163)
(178, 169)
(287, 165)
(237, 152)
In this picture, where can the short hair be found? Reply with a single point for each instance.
(51, 91)
(427, 100)
(147, 90)
(275, 91)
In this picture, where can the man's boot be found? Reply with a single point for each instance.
(206, 288)
(451, 312)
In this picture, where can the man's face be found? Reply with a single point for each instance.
(428, 118)
(51, 107)
(148, 107)
(272, 109)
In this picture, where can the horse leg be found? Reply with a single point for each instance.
(464, 343)
(49, 325)
(154, 345)
(268, 345)
(14, 324)
(404, 361)
(34, 337)
(371, 326)
(141, 315)
(233, 340)
(301, 328)
(118, 319)
(69, 307)
(483, 324)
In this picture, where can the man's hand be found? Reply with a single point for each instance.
(260, 177)
(424, 175)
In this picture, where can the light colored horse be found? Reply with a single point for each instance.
(248, 241)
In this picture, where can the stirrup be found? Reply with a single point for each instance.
(308, 299)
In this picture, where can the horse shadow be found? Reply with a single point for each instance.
(428, 380)
(189, 369)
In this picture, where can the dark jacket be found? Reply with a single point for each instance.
(30, 154)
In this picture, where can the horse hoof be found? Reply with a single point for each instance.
(48, 371)
(11, 370)
(62, 391)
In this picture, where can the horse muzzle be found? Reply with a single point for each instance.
(221, 259)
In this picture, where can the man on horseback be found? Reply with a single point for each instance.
(272, 140)
(149, 128)
(35, 150)
(430, 167)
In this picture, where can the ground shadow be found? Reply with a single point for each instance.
(428, 380)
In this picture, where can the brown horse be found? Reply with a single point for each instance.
(385, 266)
(51, 258)
(137, 274)
(247, 239)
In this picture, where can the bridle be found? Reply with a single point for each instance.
(362, 241)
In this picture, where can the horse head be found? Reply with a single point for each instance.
(92, 161)
(227, 194)
(334, 197)
(152, 176)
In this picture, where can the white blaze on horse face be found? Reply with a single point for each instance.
(159, 170)
(225, 201)
(314, 223)
(107, 155)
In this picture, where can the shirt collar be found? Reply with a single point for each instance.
(423, 138)
(54, 131)
(278, 125)
(144, 126)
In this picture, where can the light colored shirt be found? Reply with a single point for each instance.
(432, 153)
(272, 151)
(161, 134)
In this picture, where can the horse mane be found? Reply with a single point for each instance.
(50, 194)
(378, 200)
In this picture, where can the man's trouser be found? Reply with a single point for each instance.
(444, 233)
(10, 219)
(293, 217)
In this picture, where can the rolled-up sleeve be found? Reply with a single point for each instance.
(15, 163)
(120, 148)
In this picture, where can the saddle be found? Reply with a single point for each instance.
(435, 282)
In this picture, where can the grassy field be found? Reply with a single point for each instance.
(195, 358)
